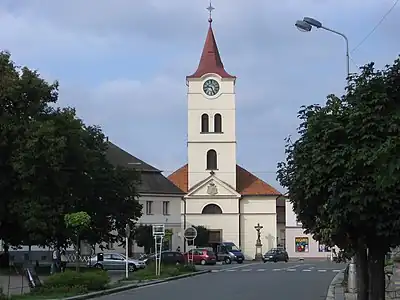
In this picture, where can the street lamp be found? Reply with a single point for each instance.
(308, 23)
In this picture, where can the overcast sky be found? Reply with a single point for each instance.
(123, 63)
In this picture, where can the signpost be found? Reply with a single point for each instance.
(190, 234)
(127, 235)
(158, 234)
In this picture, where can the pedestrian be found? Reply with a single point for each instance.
(178, 249)
(64, 260)
(56, 261)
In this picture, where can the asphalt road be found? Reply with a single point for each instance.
(293, 280)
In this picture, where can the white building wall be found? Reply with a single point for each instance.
(223, 143)
(295, 234)
(256, 210)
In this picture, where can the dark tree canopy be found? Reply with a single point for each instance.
(203, 236)
(343, 172)
(144, 237)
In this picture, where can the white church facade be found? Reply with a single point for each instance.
(221, 195)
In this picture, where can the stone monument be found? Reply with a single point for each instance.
(259, 255)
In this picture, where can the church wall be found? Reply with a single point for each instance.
(226, 162)
(249, 234)
(195, 206)
(254, 210)
(228, 223)
(258, 204)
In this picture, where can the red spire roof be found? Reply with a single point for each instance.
(210, 61)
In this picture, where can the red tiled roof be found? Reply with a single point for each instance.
(210, 61)
(247, 184)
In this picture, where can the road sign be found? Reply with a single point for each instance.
(190, 233)
(127, 230)
(159, 230)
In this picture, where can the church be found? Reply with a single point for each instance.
(220, 194)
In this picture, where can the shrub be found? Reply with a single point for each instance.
(396, 259)
(59, 291)
(91, 281)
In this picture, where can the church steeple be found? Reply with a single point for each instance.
(210, 61)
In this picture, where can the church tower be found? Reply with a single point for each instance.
(211, 118)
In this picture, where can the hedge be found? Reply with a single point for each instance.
(80, 281)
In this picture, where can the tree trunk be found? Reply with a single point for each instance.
(376, 268)
(362, 273)
(78, 253)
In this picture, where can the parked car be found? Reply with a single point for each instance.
(228, 252)
(201, 256)
(275, 255)
(115, 261)
(167, 257)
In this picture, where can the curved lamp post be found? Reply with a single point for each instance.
(308, 23)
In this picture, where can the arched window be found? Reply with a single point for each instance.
(217, 123)
(211, 209)
(204, 123)
(212, 160)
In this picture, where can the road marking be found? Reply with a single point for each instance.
(260, 270)
(291, 270)
(231, 270)
(246, 270)
(306, 270)
(276, 269)
(321, 270)
(336, 271)
(240, 266)
(215, 271)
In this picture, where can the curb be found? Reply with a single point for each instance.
(133, 286)
(335, 281)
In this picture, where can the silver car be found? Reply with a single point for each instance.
(115, 261)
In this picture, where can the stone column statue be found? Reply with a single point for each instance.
(259, 254)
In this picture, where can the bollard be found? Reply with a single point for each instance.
(351, 280)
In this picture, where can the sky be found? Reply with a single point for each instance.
(122, 64)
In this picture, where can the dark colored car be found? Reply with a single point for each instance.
(201, 256)
(228, 252)
(167, 257)
(275, 255)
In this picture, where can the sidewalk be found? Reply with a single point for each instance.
(392, 292)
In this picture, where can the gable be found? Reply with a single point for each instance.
(212, 187)
(247, 184)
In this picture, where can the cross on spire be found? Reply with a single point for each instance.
(210, 8)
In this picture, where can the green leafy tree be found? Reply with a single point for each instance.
(144, 237)
(23, 97)
(343, 175)
(203, 236)
(78, 222)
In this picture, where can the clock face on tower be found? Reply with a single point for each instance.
(211, 87)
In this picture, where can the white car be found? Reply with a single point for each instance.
(115, 261)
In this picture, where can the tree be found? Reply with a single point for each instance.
(203, 236)
(53, 165)
(78, 222)
(23, 96)
(343, 175)
(144, 237)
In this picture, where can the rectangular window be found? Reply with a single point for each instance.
(301, 244)
(149, 207)
(165, 208)
(323, 248)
